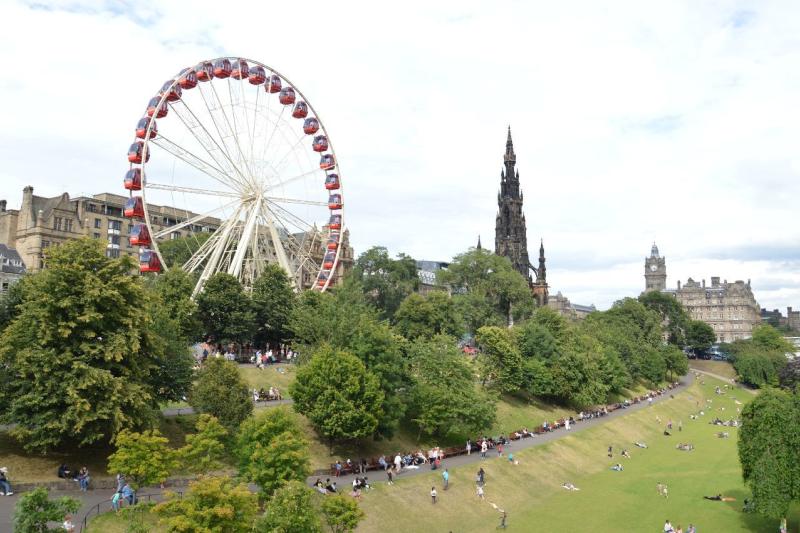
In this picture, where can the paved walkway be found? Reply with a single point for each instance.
(92, 498)
(346, 481)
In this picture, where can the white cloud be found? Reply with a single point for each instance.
(632, 122)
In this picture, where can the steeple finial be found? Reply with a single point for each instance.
(479, 247)
(654, 250)
(510, 156)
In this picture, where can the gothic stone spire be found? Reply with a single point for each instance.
(510, 233)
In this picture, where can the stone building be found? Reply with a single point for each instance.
(510, 230)
(791, 321)
(11, 267)
(561, 303)
(729, 308)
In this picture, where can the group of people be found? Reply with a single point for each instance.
(123, 493)
(81, 476)
(262, 359)
(668, 528)
(262, 395)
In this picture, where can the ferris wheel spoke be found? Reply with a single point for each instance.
(294, 178)
(279, 165)
(193, 220)
(200, 164)
(196, 127)
(201, 254)
(216, 254)
(275, 199)
(243, 244)
(285, 213)
(232, 128)
(192, 190)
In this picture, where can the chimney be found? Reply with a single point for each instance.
(2, 206)
(704, 283)
(788, 311)
(27, 218)
(715, 281)
(679, 284)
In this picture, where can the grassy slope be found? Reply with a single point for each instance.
(608, 501)
(720, 368)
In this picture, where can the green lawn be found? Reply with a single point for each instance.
(110, 522)
(720, 368)
(608, 501)
(278, 375)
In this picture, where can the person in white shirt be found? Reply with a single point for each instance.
(68, 526)
(398, 463)
(668, 527)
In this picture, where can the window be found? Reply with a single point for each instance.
(5, 286)
(92, 208)
(113, 239)
(130, 229)
(112, 253)
(96, 235)
(97, 223)
(115, 225)
(45, 244)
(68, 225)
(175, 235)
(57, 223)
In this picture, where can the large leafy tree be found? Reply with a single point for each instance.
(225, 310)
(699, 335)
(205, 449)
(174, 291)
(145, 458)
(500, 362)
(426, 316)
(341, 513)
(270, 451)
(273, 300)
(769, 445)
(10, 302)
(767, 338)
(340, 397)
(35, 509)
(222, 392)
(82, 359)
(210, 504)
(672, 314)
(444, 400)
(178, 251)
(385, 281)
(487, 289)
(290, 510)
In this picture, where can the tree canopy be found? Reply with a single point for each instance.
(144, 458)
(221, 392)
(225, 311)
(672, 313)
(210, 504)
(35, 509)
(699, 335)
(386, 282)
(178, 251)
(426, 316)
(273, 299)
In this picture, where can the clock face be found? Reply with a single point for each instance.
(653, 268)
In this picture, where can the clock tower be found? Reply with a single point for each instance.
(655, 271)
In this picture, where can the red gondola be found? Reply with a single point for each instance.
(333, 240)
(327, 262)
(300, 110)
(257, 75)
(323, 278)
(172, 90)
(335, 201)
(148, 262)
(241, 70)
(133, 179)
(161, 112)
(320, 143)
(335, 222)
(222, 68)
(310, 126)
(287, 96)
(274, 85)
(187, 79)
(141, 127)
(332, 182)
(140, 236)
(204, 71)
(326, 162)
(134, 208)
(135, 153)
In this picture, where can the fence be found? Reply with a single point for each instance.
(107, 504)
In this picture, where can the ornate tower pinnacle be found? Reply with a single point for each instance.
(510, 239)
(655, 271)
(479, 247)
(540, 289)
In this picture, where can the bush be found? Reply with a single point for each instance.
(210, 504)
(205, 449)
(221, 392)
(145, 458)
(35, 509)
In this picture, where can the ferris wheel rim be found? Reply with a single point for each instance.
(269, 71)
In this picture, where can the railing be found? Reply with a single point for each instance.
(139, 498)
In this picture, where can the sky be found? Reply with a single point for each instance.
(633, 122)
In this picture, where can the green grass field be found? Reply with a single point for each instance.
(720, 368)
(608, 501)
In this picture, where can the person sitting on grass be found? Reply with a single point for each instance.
(719, 498)
(569, 486)
(617, 468)
(686, 447)
(625, 453)
(662, 489)
(722, 435)
(640, 444)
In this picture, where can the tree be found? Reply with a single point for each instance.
(758, 369)
(225, 310)
(699, 335)
(221, 392)
(500, 362)
(444, 400)
(769, 445)
(35, 509)
(654, 367)
(341, 513)
(290, 510)
(385, 281)
(270, 452)
(672, 314)
(273, 300)
(178, 251)
(82, 358)
(174, 291)
(205, 449)
(487, 289)
(426, 316)
(145, 458)
(768, 338)
(10, 303)
(338, 395)
(676, 362)
(212, 504)
(790, 375)
(535, 341)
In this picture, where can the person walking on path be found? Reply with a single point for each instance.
(499, 449)
(446, 478)
(484, 447)
(433, 494)
(469, 447)
(481, 475)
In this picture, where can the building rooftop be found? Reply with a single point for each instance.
(10, 261)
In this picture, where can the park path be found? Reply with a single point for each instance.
(92, 498)
(723, 378)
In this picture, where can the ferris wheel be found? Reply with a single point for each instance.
(231, 157)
